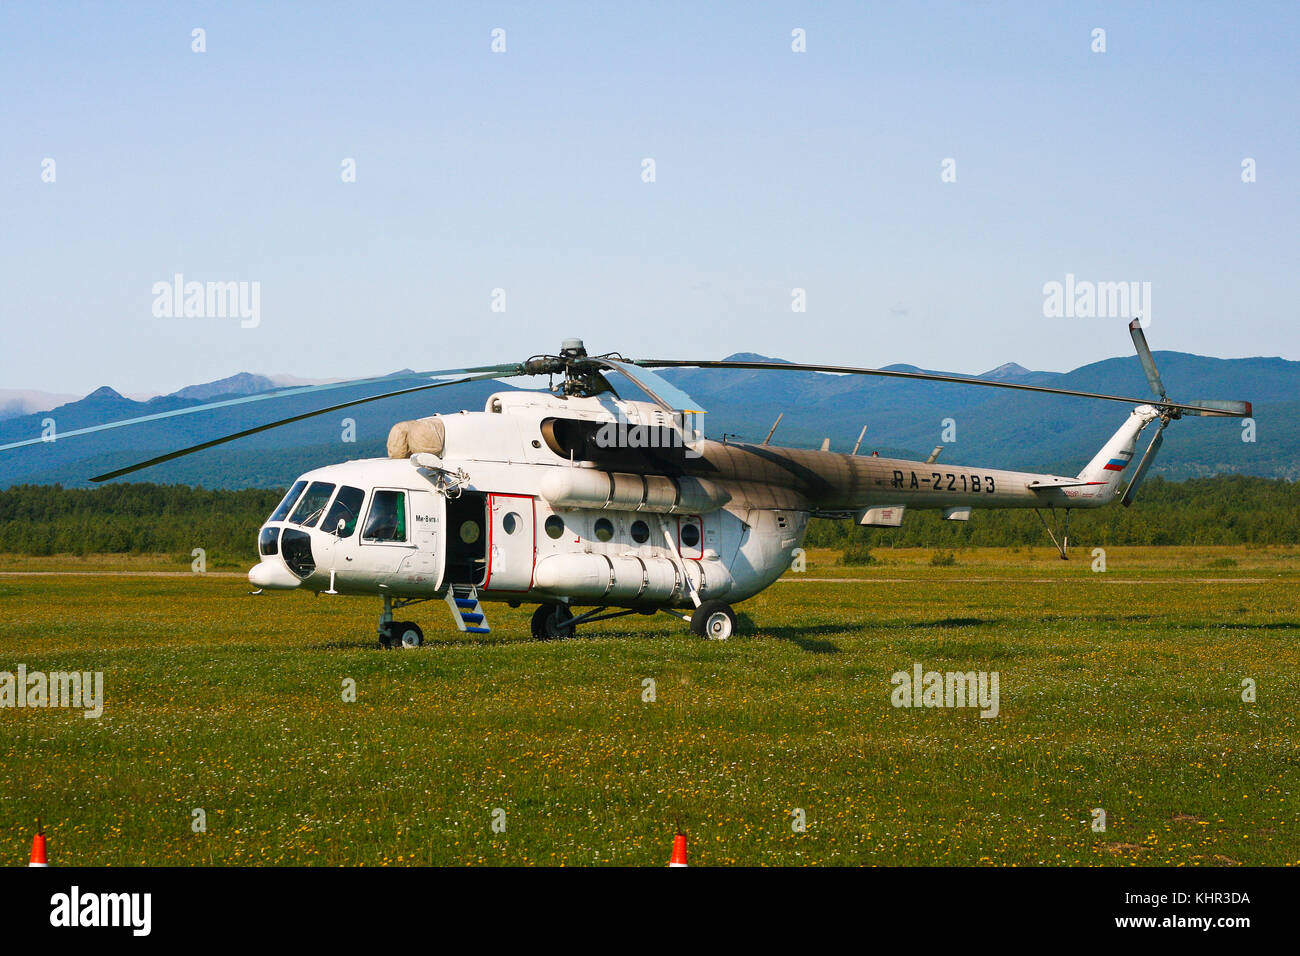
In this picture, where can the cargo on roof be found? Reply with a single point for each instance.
(420, 435)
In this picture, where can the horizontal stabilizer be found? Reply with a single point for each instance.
(1047, 484)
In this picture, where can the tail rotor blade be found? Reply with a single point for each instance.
(1145, 357)
(1147, 458)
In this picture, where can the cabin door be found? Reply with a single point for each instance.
(512, 547)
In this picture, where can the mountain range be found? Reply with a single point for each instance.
(992, 427)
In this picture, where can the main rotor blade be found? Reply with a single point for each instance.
(1148, 361)
(497, 371)
(1227, 408)
(284, 421)
(1217, 408)
(663, 392)
(1147, 458)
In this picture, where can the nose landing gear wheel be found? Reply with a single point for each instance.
(402, 634)
(714, 620)
(407, 634)
(551, 621)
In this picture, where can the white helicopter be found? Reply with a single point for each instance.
(595, 506)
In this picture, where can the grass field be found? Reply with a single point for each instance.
(1119, 690)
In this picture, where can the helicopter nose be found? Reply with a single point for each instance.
(273, 575)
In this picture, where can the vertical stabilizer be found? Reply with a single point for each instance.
(1115, 460)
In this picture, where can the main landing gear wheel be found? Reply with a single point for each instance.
(714, 620)
(551, 621)
(407, 634)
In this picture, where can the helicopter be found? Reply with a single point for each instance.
(594, 506)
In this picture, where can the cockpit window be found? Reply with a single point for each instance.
(313, 503)
(346, 508)
(387, 518)
(283, 508)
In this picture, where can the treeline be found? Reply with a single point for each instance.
(134, 519)
(175, 519)
(1228, 509)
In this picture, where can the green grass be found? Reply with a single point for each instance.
(1118, 690)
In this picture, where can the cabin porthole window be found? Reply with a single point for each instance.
(604, 529)
(554, 526)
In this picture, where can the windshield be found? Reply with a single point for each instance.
(313, 502)
(283, 508)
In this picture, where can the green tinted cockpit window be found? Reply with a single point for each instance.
(346, 508)
(387, 518)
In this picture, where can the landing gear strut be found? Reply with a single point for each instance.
(385, 628)
(1065, 533)
(392, 633)
(712, 619)
(551, 621)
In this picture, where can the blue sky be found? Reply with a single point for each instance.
(521, 170)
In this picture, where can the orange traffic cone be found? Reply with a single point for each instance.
(38, 847)
(679, 850)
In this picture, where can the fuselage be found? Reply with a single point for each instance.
(598, 501)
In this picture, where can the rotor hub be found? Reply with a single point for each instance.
(581, 371)
(573, 348)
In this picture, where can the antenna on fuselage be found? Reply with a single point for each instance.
(861, 435)
(772, 431)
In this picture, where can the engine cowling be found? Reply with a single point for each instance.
(657, 494)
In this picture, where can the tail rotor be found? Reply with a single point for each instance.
(1168, 410)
